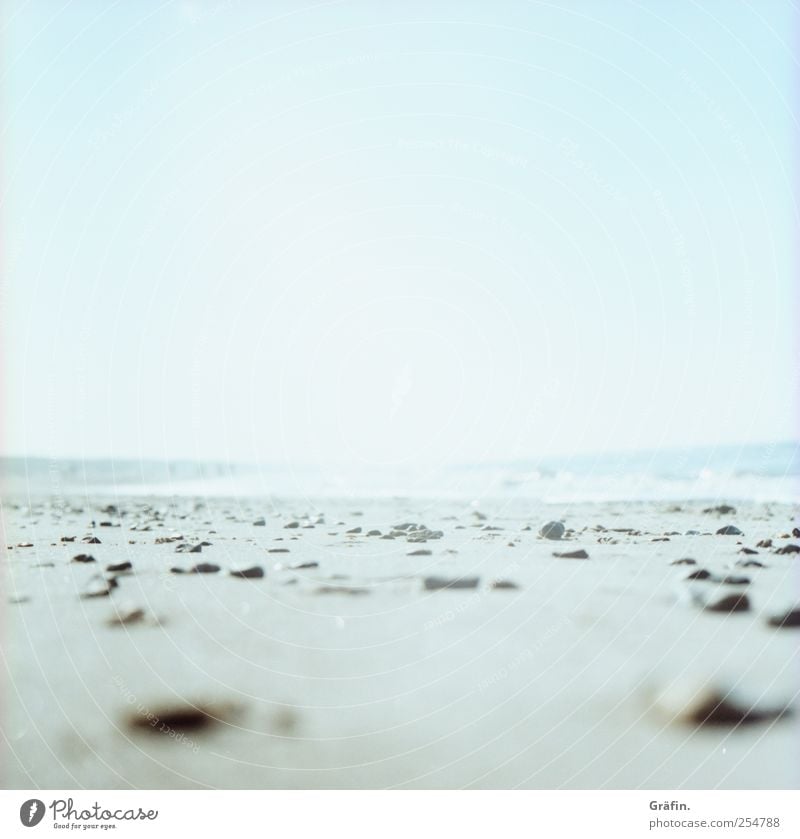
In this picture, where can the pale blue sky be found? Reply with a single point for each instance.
(381, 232)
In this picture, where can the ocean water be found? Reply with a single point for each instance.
(769, 472)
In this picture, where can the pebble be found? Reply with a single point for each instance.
(119, 567)
(341, 590)
(721, 509)
(552, 530)
(438, 583)
(700, 574)
(788, 619)
(292, 525)
(749, 563)
(91, 540)
(747, 551)
(420, 552)
(189, 549)
(128, 617)
(353, 531)
(83, 558)
(788, 549)
(579, 554)
(711, 706)
(685, 561)
(503, 585)
(278, 550)
(729, 530)
(205, 568)
(729, 603)
(373, 533)
(169, 719)
(764, 543)
(253, 573)
(260, 522)
(99, 586)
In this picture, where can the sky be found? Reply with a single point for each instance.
(397, 233)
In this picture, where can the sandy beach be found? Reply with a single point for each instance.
(398, 643)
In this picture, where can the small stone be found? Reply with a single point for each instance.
(749, 563)
(722, 510)
(552, 530)
(90, 540)
(685, 561)
(373, 533)
(188, 549)
(353, 531)
(67, 538)
(733, 581)
(711, 706)
(729, 603)
(786, 620)
(83, 558)
(292, 525)
(99, 586)
(128, 617)
(253, 573)
(302, 566)
(579, 554)
(260, 522)
(438, 583)
(729, 530)
(764, 543)
(278, 550)
(503, 585)
(788, 549)
(796, 532)
(119, 567)
(351, 590)
(420, 552)
(700, 574)
(747, 551)
(205, 568)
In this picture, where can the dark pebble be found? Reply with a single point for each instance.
(764, 543)
(99, 586)
(729, 603)
(90, 540)
(749, 563)
(552, 530)
(291, 525)
(83, 558)
(504, 585)
(747, 551)
(260, 522)
(278, 551)
(722, 509)
(579, 554)
(256, 572)
(353, 531)
(721, 709)
(438, 583)
(729, 530)
(119, 567)
(205, 568)
(700, 574)
(789, 549)
(420, 552)
(685, 561)
(790, 619)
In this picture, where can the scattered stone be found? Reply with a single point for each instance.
(253, 573)
(373, 533)
(685, 561)
(353, 531)
(278, 550)
(579, 554)
(713, 707)
(503, 585)
(700, 574)
(692, 533)
(260, 522)
(292, 525)
(420, 552)
(163, 540)
(205, 568)
(788, 549)
(729, 603)
(185, 548)
(90, 540)
(764, 543)
(67, 538)
(341, 590)
(119, 567)
(796, 532)
(747, 551)
(83, 558)
(99, 586)
(729, 530)
(302, 566)
(722, 510)
(438, 583)
(171, 719)
(786, 620)
(733, 581)
(552, 530)
(127, 617)
(387, 536)
(749, 563)
(25, 545)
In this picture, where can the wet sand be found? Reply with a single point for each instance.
(474, 658)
